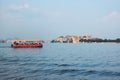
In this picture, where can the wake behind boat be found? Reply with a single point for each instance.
(26, 44)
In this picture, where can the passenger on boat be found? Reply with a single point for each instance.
(15, 43)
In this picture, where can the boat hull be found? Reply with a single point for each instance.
(27, 46)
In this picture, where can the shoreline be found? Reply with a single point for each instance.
(82, 42)
(88, 43)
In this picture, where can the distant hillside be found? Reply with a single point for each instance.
(2, 41)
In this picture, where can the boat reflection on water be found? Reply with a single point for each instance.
(26, 44)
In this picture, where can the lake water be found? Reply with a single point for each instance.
(61, 62)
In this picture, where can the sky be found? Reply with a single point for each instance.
(49, 19)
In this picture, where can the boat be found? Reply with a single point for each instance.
(26, 44)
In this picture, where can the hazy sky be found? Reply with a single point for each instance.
(48, 19)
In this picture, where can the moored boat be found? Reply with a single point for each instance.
(27, 44)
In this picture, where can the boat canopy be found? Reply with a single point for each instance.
(25, 41)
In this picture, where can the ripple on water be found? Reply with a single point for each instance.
(84, 62)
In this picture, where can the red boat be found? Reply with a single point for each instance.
(26, 44)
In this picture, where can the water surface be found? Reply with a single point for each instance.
(61, 62)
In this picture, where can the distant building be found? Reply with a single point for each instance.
(35, 40)
(73, 39)
(76, 39)
(89, 38)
